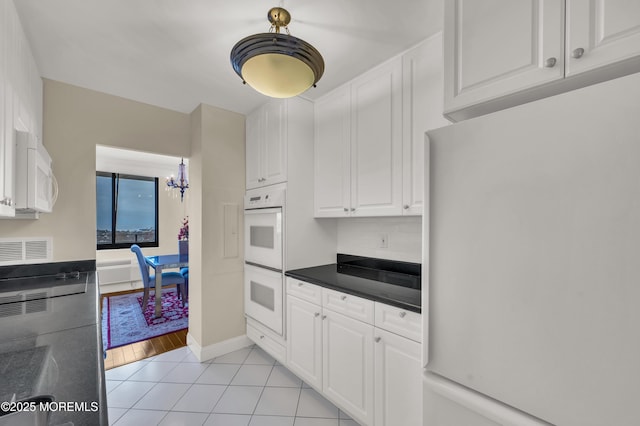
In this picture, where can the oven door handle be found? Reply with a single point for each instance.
(257, 265)
(263, 210)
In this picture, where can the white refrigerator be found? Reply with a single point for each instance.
(531, 269)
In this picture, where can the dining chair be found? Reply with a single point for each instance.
(149, 280)
(185, 291)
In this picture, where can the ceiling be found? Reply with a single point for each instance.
(117, 160)
(175, 54)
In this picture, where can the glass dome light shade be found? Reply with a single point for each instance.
(277, 65)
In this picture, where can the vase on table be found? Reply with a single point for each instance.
(183, 247)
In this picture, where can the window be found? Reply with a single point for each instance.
(127, 210)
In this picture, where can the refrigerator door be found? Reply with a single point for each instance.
(533, 257)
(449, 403)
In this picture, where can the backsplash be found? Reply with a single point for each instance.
(363, 237)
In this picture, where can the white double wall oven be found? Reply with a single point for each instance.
(264, 252)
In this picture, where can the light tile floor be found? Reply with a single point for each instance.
(243, 388)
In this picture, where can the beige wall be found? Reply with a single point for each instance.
(77, 119)
(217, 165)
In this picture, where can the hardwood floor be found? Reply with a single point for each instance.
(145, 349)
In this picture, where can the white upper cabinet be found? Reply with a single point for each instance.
(6, 121)
(332, 154)
(501, 53)
(274, 154)
(601, 32)
(254, 141)
(269, 129)
(358, 146)
(422, 92)
(376, 142)
(369, 136)
(266, 145)
(20, 99)
(497, 47)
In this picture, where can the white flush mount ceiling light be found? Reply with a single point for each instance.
(275, 64)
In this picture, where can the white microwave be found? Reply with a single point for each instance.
(35, 185)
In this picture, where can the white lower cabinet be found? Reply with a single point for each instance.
(398, 382)
(347, 364)
(304, 340)
(372, 374)
(270, 342)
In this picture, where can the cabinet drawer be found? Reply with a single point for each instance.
(346, 304)
(266, 341)
(305, 291)
(399, 321)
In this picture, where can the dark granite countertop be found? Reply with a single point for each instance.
(52, 344)
(393, 283)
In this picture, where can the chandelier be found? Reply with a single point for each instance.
(181, 182)
(277, 65)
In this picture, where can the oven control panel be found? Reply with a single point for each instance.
(264, 198)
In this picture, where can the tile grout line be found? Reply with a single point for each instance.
(132, 407)
(260, 396)
(298, 403)
(230, 380)
(208, 416)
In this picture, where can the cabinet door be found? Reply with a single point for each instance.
(7, 23)
(398, 380)
(274, 153)
(601, 32)
(332, 154)
(498, 47)
(347, 364)
(7, 155)
(3, 38)
(422, 110)
(376, 142)
(253, 143)
(304, 340)
(20, 80)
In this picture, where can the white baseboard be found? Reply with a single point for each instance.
(217, 349)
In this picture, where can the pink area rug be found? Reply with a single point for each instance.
(123, 321)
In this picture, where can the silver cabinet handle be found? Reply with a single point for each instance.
(324, 317)
(346, 209)
(317, 314)
(577, 53)
(377, 339)
(343, 297)
(353, 209)
(550, 63)
(403, 314)
(406, 206)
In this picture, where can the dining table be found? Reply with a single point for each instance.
(160, 263)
